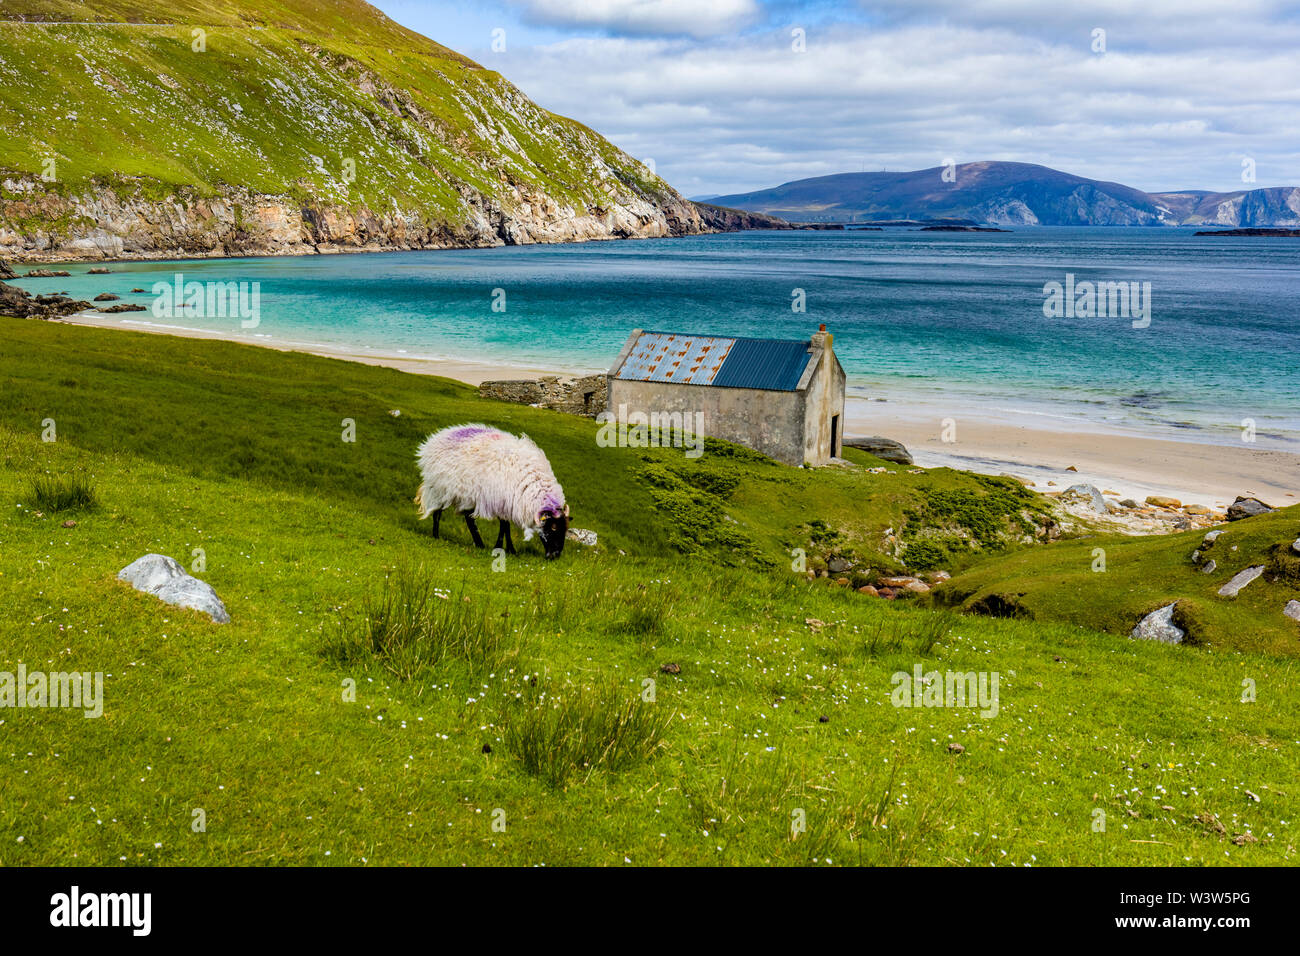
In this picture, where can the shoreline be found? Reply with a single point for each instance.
(1129, 466)
(467, 372)
(1132, 466)
(42, 257)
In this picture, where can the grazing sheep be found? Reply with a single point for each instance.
(483, 472)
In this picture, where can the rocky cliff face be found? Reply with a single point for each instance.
(103, 225)
(319, 127)
(721, 219)
(1275, 206)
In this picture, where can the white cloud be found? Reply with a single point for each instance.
(697, 18)
(714, 92)
(1151, 24)
(749, 112)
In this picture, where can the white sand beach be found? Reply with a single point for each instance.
(1130, 466)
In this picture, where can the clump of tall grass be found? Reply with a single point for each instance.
(412, 626)
(644, 621)
(883, 636)
(732, 791)
(933, 628)
(919, 630)
(560, 735)
(66, 492)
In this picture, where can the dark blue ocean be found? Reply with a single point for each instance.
(928, 321)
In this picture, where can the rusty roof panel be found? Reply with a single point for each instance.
(673, 357)
(772, 364)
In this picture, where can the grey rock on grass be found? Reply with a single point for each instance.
(582, 536)
(1247, 508)
(1240, 580)
(884, 448)
(1088, 493)
(166, 580)
(1159, 626)
(1292, 610)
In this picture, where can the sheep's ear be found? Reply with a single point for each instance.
(566, 511)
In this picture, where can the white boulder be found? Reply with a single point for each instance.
(1240, 580)
(166, 580)
(1159, 626)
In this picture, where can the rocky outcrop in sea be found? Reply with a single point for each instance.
(22, 304)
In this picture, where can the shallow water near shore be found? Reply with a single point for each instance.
(935, 324)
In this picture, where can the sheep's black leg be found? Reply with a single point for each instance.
(503, 537)
(473, 529)
(437, 518)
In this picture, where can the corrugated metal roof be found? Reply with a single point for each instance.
(763, 363)
(772, 364)
(670, 357)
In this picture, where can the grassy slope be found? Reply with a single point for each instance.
(236, 450)
(283, 95)
(219, 409)
(1143, 574)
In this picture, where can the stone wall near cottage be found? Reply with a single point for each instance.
(575, 396)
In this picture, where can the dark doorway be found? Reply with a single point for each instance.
(835, 436)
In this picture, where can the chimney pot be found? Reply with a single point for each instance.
(822, 327)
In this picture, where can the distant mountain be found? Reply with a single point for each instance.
(1012, 194)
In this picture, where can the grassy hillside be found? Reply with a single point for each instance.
(225, 410)
(334, 18)
(325, 103)
(518, 696)
(1066, 582)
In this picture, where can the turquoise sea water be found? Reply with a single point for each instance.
(925, 320)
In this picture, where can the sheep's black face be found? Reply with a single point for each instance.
(552, 532)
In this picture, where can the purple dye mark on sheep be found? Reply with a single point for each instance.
(466, 433)
(552, 504)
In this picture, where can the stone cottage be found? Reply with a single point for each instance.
(784, 398)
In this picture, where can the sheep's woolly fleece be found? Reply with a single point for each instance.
(491, 472)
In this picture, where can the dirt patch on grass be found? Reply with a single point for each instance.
(1000, 605)
(1283, 564)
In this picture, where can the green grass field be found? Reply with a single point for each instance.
(381, 697)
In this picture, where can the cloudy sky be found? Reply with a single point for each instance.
(732, 95)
